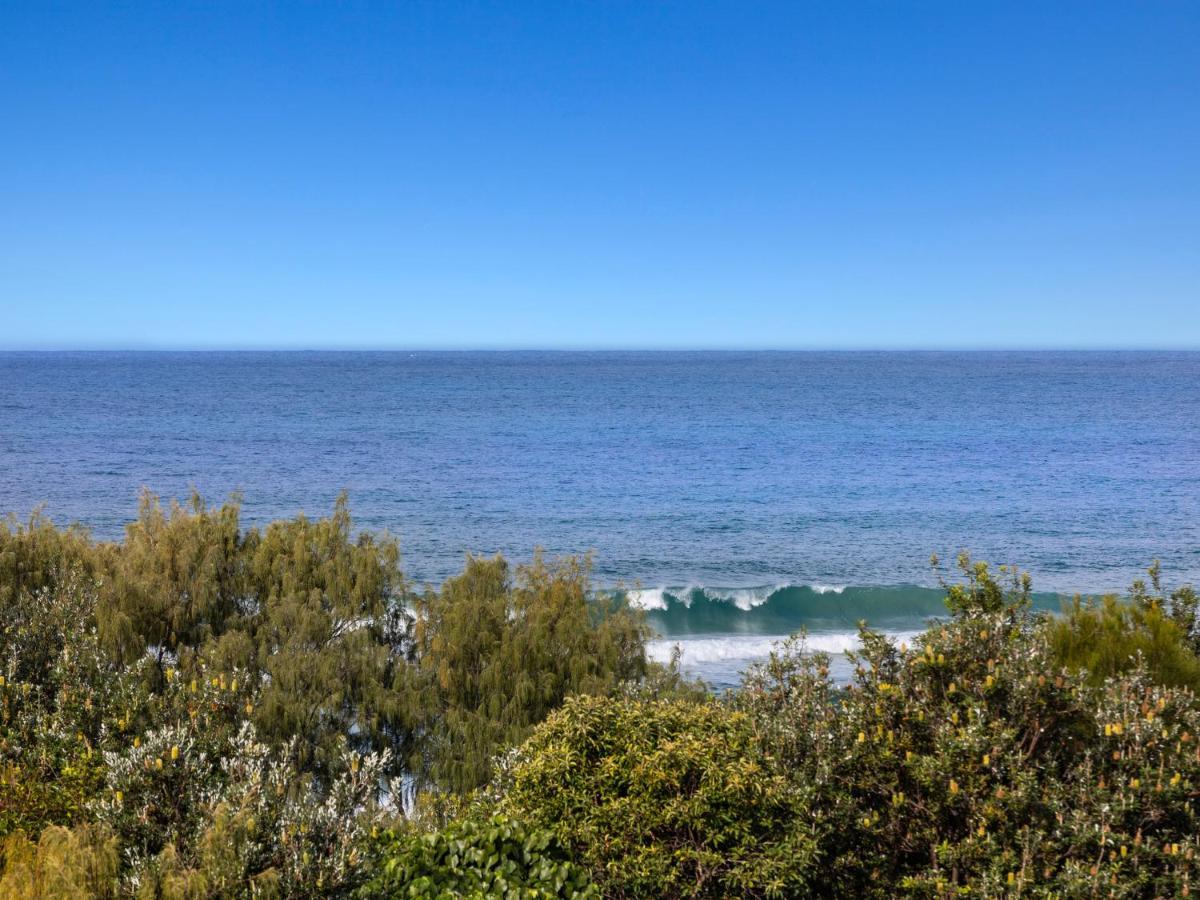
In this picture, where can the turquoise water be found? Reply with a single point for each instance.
(792, 488)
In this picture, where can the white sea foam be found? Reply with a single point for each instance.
(827, 588)
(744, 598)
(648, 598)
(700, 651)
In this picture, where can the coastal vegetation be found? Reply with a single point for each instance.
(206, 709)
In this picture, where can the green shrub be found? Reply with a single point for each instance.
(970, 764)
(496, 857)
(664, 798)
(63, 864)
(495, 655)
(1109, 637)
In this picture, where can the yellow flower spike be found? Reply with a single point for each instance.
(862, 736)
(866, 821)
(158, 763)
(941, 659)
(1108, 730)
(1135, 783)
(170, 675)
(1175, 779)
(249, 707)
(952, 688)
(233, 685)
(983, 635)
(954, 717)
(1124, 850)
(137, 742)
(989, 681)
(1117, 727)
(953, 786)
(193, 686)
(354, 764)
(920, 715)
(120, 796)
(175, 752)
(908, 755)
(903, 647)
(1012, 877)
(891, 736)
(987, 760)
(982, 830)
(2, 682)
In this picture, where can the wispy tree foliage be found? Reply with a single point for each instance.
(209, 710)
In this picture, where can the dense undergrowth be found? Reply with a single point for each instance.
(208, 710)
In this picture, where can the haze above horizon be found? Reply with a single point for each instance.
(651, 176)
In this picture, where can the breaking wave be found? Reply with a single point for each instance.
(780, 609)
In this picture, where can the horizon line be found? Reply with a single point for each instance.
(599, 348)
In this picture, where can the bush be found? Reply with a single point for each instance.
(230, 708)
(971, 763)
(496, 857)
(63, 864)
(663, 798)
(1108, 637)
(494, 656)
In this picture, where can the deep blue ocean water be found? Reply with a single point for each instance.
(792, 488)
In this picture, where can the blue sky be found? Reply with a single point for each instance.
(576, 174)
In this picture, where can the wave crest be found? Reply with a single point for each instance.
(776, 609)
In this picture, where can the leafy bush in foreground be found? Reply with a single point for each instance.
(207, 711)
(969, 763)
(495, 857)
(666, 798)
(227, 709)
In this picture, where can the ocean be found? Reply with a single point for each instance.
(738, 496)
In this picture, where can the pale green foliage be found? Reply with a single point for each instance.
(328, 634)
(175, 582)
(1108, 637)
(35, 556)
(63, 864)
(229, 706)
(494, 656)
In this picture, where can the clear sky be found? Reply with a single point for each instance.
(608, 174)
